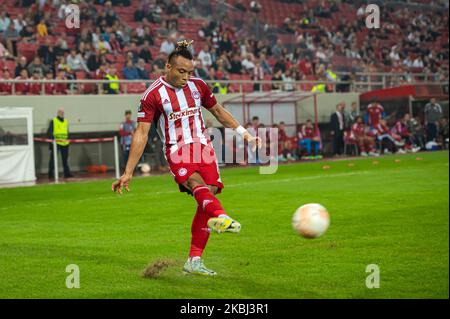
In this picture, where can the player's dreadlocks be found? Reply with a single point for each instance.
(182, 49)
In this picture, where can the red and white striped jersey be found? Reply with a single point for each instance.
(177, 111)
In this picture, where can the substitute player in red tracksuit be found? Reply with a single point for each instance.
(174, 102)
(402, 131)
(366, 143)
(375, 112)
(388, 142)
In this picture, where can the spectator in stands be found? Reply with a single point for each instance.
(19, 22)
(247, 63)
(173, 14)
(132, 52)
(265, 64)
(288, 80)
(257, 75)
(126, 133)
(200, 71)
(113, 86)
(58, 129)
(130, 72)
(47, 53)
(168, 45)
(37, 65)
(11, 36)
(205, 56)
(42, 29)
(337, 122)
(141, 12)
(433, 113)
(21, 65)
(159, 64)
(49, 88)
(225, 44)
(309, 140)
(23, 87)
(277, 76)
(76, 62)
(366, 143)
(34, 87)
(5, 21)
(143, 74)
(5, 87)
(235, 64)
(277, 49)
(102, 45)
(27, 34)
(145, 53)
(306, 66)
(114, 43)
(61, 88)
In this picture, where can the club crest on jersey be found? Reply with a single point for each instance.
(196, 95)
(185, 113)
(182, 171)
(166, 101)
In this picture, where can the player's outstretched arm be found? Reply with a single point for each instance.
(228, 121)
(137, 148)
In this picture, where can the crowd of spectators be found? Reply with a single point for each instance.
(105, 39)
(105, 43)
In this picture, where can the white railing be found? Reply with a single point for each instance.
(238, 86)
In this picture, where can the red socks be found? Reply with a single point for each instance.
(207, 201)
(200, 233)
(208, 206)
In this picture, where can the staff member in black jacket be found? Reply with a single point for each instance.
(337, 122)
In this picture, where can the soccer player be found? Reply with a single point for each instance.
(174, 102)
(403, 129)
(366, 143)
(308, 139)
(388, 143)
(375, 113)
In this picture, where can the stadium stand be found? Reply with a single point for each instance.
(307, 39)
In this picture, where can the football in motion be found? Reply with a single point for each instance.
(145, 168)
(311, 220)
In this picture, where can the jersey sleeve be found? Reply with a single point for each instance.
(208, 98)
(147, 109)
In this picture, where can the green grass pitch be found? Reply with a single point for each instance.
(394, 215)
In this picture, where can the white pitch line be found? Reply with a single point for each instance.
(275, 181)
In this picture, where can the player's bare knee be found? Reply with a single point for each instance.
(193, 181)
(213, 189)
